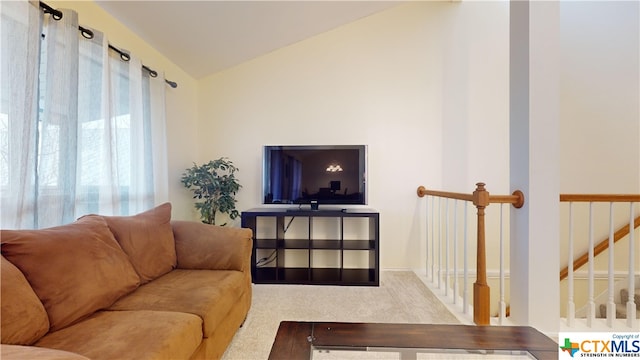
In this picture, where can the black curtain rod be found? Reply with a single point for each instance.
(87, 33)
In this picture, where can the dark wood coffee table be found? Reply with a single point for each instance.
(296, 340)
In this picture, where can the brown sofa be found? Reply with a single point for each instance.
(124, 287)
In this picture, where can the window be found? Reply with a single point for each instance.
(74, 125)
(4, 152)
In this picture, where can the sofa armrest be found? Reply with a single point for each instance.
(210, 247)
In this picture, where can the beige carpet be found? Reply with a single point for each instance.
(400, 298)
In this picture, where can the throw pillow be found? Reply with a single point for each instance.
(148, 240)
(75, 269)
(24, 319)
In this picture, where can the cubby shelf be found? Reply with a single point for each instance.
(329, 247)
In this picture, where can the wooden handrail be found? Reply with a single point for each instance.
(422, 191)
(599, 197)
(516, 199)
(481, 199)
(599, 248)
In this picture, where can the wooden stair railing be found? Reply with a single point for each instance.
(604, 244)
(480, 199)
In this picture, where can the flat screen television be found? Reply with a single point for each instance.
(314, 174)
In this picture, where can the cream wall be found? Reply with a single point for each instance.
(599, 127)
(425, 85)
(180, 102)
(600, 97)
(404, 82)
(599, 114)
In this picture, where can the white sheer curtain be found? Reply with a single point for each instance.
(81, 130)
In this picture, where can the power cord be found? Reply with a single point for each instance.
(272, 257)
(289, 224)
(266, 260)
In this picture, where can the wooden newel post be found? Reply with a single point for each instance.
(481, 299)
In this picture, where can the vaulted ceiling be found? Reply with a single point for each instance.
(204, 37)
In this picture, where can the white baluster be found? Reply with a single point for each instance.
(591, 305)
(426, 217)
(433, 239)
(446, 247)
(611, 305)
(631, 305)
(455, 251)
(439, 243)
(571, 306)
(465, 291)
(502, 304)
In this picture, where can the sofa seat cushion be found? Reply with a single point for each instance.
(18, 352)
(24, 319)
(210, 294)
(75, 269)
(135, 335)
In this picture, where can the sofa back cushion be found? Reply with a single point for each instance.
(210, 247)
(75, 269)
(148, 240)
(24, 319)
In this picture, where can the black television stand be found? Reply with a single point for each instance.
(323, 247)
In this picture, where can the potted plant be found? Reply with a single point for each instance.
(214, 185)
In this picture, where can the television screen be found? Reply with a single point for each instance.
(328, 174)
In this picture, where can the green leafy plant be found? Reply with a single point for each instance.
(214, 185)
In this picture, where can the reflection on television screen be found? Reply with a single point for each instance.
(328, 174)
